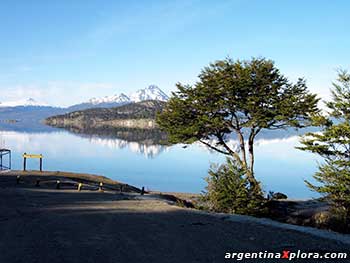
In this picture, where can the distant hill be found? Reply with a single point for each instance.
(139, 115)
(27, 115)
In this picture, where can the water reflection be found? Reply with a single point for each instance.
(139, 158)
(146, 149)
(148, 142)
(144, 136)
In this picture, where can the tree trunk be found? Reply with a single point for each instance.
(251, 157)
(242, 148)
(249, 168)
(251, 178)
(252, 135)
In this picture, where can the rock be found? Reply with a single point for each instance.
(279, 195)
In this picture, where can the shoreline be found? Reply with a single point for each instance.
(310, 212)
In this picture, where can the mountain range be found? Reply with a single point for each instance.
(151, 92)
(30, 111)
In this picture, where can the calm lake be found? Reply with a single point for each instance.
(142, 162)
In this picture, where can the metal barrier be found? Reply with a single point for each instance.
(3, 153)
(38, 156)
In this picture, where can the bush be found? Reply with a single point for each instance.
(229, 191)
(334, 184)
(334, 219)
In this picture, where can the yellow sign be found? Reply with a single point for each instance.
(32, 155)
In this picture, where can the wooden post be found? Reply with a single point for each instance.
(24, 162)
(41, 164)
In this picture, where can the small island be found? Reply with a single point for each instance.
(139, 115)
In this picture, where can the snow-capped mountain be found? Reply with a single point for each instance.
(152, 92)
(24, 102)
(122, 98)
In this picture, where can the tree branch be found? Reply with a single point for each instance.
(214, 148)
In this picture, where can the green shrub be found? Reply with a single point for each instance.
(334, 219)
(229, 191)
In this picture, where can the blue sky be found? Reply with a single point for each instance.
(64, 52)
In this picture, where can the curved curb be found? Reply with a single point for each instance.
(325, 234)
